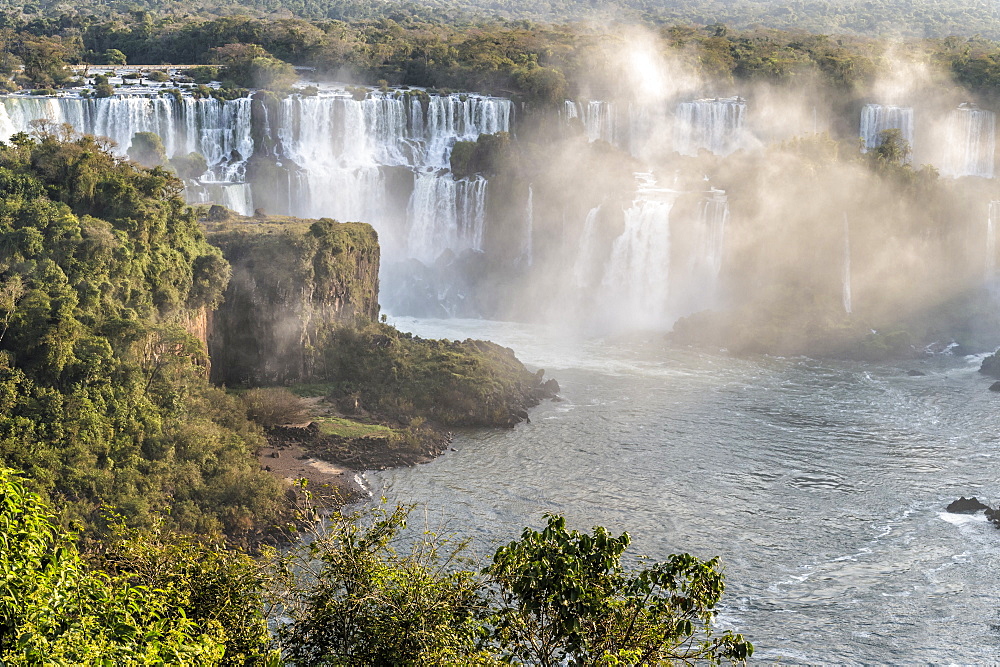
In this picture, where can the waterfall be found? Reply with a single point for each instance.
(846, 280)
(343, 147)
(637, 280)
(583, 265)
(971, 141)
(218, 130)
(234, 196)
(337, 151)
(698, 248)
(445, 214)
(715, 125)
(991, 238)
(876, 118)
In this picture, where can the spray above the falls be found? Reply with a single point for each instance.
(846, 279)
(716, 124)
(665, 263)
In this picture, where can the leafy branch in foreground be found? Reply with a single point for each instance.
(566, 598)
(553, 597)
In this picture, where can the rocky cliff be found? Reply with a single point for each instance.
(291, 280)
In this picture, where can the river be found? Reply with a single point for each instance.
(821, 484)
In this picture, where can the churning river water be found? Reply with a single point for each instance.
(821, 484)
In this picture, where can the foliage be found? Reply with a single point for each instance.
(190, 166)
(488, 155)
(366, 604)
(147, 149)
(250, 66)
(54, 609)
(565, 597)
(220, 589)
(104, 396)
(114, 57)
(552, 597)
(274, 406)
(469, 383)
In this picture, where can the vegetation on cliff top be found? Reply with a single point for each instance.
(103, 395)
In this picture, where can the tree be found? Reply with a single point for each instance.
(251, 66)
(147, 149)
(114, 57)
(565, 597)
(366, 604)
(553, 597)
(892, 149)
(54, 609)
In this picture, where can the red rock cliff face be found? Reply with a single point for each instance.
(198, 323)
(291, 283)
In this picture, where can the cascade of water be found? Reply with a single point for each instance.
(445, 214)
(846, 281)
(637, 280)
(971, 142)
(220, 131)
(875, 118)
(711, 124)
(234, 196)
(708, 248)
(583, 265)
(991, 238)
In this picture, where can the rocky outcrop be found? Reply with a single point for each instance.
(991, 365)
(966, 506)
(292, 281)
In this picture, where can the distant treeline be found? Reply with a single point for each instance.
(540, 62)
(870, 18)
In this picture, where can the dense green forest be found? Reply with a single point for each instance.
(543, 63)
(882, 18)
(105, 401)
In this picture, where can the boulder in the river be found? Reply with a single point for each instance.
(966, 506)
(991, 365)
(993, 516)
(995, 386)
(915, 373)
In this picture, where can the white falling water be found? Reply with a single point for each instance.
(528, 251)
(342, 146)
(218, 130)
(876, 118)
(846, 280)
(583, 266)
(637, 280)
(234, 196)
(337, 151)
(971, 142)
(599, 119)
(445, 214)
(715, 125)
(991, 238)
